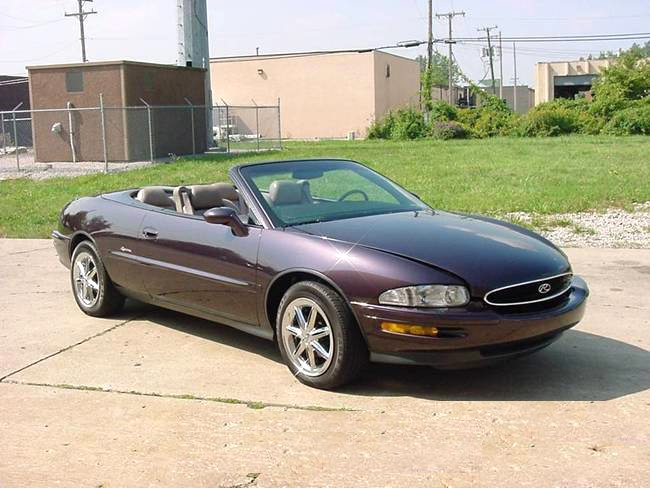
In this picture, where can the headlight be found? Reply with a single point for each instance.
(426, 296)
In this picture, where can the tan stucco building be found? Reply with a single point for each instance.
(565, 79)
(323, 94)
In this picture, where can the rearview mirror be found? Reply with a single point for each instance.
(226, 216)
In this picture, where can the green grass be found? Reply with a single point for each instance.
(492, 176)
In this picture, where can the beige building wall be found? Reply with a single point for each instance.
(397, 82)
(546, 72)
(322, 95)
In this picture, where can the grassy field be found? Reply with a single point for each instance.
(493, 176)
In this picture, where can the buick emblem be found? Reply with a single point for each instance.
(544, 288)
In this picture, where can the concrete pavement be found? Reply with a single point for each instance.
(158, 398)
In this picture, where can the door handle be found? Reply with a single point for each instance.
(149, 233)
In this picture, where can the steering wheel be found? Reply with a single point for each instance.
(352, 192)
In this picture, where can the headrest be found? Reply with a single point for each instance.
(209, 196)
(226, 191)
(283, 192)
(155, 195)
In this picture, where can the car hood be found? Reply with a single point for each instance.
(484, 252)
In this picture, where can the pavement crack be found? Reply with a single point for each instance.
(14, 253)
(255, 405)
(67, 348)
(252, 481)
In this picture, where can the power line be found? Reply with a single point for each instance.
(81, 15)
(567, 38)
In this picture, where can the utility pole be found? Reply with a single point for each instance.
(430, 40)
(514, 54)
(487, 30)
(81, 15)
(450, 41)
(500, 67)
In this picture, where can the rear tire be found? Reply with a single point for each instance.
(318, 336)
(92, 288)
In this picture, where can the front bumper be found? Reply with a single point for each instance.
(474, 336)
(62, 247)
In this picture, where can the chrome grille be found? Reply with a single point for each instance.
(530, 291)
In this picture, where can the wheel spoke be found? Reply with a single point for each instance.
(320, 350)
(300, 318)
(92, 273)
(82, 268)
(311, 321)
(93, 284)
(297, 352)
(294, 331)
(318, 334)
(311, 356)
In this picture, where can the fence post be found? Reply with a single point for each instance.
(227, 126)
(193, 138)
(103, 119)
(150, 123)
(16, 143)
(71, 132)
(16, 135)
(279, 126)
(4, 136)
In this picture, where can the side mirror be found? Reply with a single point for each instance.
(226, 216)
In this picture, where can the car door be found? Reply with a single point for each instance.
(201, 266)
(116, 231)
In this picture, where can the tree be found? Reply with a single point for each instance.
(436, 75)
(643, 51)
(626, 81)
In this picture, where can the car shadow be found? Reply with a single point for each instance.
(211, 331)
(579, 367)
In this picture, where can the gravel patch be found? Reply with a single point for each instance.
(40, 171)
(614, 228)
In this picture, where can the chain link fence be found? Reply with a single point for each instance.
(115, 137)
(247, 128)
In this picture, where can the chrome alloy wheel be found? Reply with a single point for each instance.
(86, 279)
(307, 337)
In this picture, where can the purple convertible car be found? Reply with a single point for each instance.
(335, 262)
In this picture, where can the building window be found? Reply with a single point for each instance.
(388, 71)
(74, 81)
(147, 81)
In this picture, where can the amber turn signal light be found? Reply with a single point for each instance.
(417, 330)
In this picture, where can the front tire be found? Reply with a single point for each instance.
(318, 336)
(92, 288)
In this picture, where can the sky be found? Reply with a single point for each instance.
(35, 32)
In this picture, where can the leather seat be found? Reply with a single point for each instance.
(157, 196)
(205, 197)
(286, 192)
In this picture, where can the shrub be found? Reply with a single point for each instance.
(382, 128)
(492, 123)
(633, 120)
(448, 130)
(628, 79)
(442, 111)
(405, 123)
(549, 119)
(408, 124)
(590, 124)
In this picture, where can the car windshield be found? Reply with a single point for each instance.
(302, 192)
